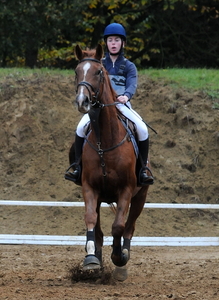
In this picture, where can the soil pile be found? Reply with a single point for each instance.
(38, 122)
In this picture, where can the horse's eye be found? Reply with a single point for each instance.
(99, 72)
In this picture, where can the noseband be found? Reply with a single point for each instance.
(89, 86)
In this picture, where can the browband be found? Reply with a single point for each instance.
(92, 59)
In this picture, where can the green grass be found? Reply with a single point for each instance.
(26, 72)
(190, 78)
(206, 80)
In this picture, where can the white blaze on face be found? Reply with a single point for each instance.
(86, 67)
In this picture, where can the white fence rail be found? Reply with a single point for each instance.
(81, 204)
(80, 240)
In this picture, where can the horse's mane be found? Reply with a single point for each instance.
(106, 77)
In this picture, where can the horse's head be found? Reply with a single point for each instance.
(89, 76)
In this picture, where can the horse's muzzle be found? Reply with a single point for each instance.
(83, 103)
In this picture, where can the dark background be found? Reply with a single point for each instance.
(161, 34)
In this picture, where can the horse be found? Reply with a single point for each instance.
(109, 165)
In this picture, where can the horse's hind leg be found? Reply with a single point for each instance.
(99, 238)
(119, 255)
(137, 205)
(120, 258)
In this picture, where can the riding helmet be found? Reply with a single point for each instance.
(115, 29)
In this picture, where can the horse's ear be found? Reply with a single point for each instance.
(78, 52)
(99, 52)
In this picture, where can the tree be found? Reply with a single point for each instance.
(28, 25)
(161, 33)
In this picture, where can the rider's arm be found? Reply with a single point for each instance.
(131, 79)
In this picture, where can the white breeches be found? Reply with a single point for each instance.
(128, 112)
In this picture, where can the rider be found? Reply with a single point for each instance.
(125, 85)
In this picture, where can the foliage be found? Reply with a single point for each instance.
(28, 25)
(161, 33)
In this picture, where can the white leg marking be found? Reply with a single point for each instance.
(90, 248)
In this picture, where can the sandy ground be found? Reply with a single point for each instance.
(38, 123)
(44, 272)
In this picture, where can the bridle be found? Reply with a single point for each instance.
(98, 106)
(89, 86)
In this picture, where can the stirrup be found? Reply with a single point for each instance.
(150, 180)
(70, 176)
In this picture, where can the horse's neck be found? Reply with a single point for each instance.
(111, 129)
(109, 121)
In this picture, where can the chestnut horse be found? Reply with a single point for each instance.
(109, 163)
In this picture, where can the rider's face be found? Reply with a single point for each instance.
(114, 44)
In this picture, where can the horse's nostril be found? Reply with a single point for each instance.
(83, 103)
(82, 100)
(86, 101)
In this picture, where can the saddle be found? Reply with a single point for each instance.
(131, 130)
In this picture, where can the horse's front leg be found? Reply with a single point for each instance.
(120, 255)
(94, 240)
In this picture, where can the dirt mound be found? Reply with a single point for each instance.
(38, 122)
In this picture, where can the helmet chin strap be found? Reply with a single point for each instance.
(114, 54)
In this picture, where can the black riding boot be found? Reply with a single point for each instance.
(79, 141)
(143, 151)
(75, 175)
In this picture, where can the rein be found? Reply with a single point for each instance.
(94, 115)
(101, 151)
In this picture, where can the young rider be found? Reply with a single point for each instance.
(123, 77)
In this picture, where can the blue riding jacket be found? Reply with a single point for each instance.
(123, 78)
(123, 75)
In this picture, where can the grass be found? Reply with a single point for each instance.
(26, 72)
(205, 80)
(190, 78)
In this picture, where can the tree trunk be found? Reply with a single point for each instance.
(31, 54)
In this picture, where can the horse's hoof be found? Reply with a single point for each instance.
(120, 273)
(126, 255)
(91, 262)
(122, 260)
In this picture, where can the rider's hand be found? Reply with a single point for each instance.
(123, 99)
